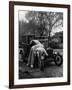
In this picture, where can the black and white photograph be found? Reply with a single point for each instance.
(39, 44)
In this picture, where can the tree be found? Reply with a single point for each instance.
(45, 21)
(37, 18)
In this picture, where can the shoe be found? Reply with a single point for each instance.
(31, 66)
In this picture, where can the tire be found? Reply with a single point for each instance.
(42, 65)
(58, 60)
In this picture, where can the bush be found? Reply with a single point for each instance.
(54, 45)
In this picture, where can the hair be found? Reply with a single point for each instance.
(32, 43)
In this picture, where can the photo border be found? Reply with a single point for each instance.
(11, 43)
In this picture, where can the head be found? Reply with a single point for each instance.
(32, 43)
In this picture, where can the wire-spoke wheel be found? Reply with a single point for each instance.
(58, 60)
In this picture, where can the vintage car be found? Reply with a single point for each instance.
(52, 56)
(40, 62)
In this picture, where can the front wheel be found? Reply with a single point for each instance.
(58, 60)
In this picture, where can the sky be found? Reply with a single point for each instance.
(22, 15)
(23, 18)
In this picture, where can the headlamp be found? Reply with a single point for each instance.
(55, 52)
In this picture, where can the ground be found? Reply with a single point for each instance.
(50, 70)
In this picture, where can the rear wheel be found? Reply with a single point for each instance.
(58, 60)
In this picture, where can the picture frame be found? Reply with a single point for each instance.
(14, 7)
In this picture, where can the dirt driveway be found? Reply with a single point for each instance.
(51, 70)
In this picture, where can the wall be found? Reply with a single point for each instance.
(4, 44)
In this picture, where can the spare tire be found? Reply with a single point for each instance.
(58, 60)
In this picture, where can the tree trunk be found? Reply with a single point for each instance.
(49, 36)
(48, 39)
